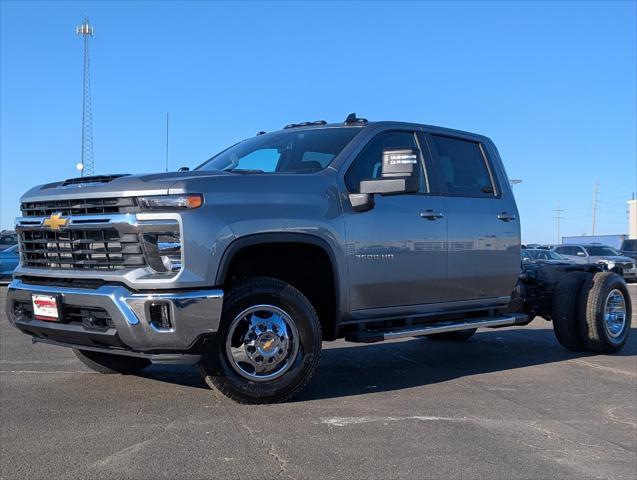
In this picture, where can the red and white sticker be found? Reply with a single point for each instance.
(45, 307)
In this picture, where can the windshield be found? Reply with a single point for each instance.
(293, 151)
(629, 246)
(602, 251)
(545, 255)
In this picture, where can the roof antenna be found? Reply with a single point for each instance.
(352, 119)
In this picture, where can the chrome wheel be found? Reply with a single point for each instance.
(262, 343)
(615, 314)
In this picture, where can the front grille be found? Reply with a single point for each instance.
(89, 206)
(94, 249)
(86, 283)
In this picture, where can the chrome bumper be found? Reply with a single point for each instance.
(192, 313)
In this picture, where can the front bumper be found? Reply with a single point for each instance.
(128, 328)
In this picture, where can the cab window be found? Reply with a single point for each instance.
(367, 165)
(463, 167)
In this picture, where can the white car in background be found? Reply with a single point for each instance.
(600, 254)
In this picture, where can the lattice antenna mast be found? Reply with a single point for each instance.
(86, 163)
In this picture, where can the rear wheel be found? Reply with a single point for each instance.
(457, 336)
(565, 311)
(606, 313)
(268, 344)
(107, 363)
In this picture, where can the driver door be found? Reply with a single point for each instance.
(396, 252)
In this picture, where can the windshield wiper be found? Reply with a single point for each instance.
(245, 170)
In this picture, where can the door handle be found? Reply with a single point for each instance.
(505, 217)
(431, 215)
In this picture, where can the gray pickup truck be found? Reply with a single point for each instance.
(360, 230)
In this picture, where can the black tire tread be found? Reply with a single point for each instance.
(565, 311)
(239, 290)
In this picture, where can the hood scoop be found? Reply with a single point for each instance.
(89, 181)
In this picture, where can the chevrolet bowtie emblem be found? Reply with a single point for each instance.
(55, 221)
(267, 344)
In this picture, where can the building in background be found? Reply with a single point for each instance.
(632, 218)
(614, 241)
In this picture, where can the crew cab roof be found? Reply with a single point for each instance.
(388, 124)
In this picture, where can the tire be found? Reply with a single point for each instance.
(566, 311)
(109, 364)
(256, 312)
(457, 336)
(605, 290)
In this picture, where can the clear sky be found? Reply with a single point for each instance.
(554, 84)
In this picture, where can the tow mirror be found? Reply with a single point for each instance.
(400, 174)
(361, 202)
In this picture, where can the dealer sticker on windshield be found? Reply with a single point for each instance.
(45, 307)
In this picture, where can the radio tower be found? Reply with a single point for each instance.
(86, 163)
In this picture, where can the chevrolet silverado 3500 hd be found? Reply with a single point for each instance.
(362, 230)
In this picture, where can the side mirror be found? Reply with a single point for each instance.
(399, 175)
(184, 169)
(581, 254)
(361, 202)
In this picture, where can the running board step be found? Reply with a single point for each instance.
(372, 336)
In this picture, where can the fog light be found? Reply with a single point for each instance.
(160, 316)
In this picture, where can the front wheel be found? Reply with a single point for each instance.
(268, 344)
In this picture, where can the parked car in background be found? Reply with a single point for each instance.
(9, 259)
(629, 249)
(8, 238)
(603, 255)
(540, 256)
(614, 241)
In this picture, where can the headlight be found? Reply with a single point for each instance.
(171, 202)
(609, 264)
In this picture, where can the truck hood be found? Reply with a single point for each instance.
(118, 185)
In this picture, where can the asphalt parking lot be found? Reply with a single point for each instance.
(510, 403)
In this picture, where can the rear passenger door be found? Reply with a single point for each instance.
(482, 219)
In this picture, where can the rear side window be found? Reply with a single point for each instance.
(463, 167)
